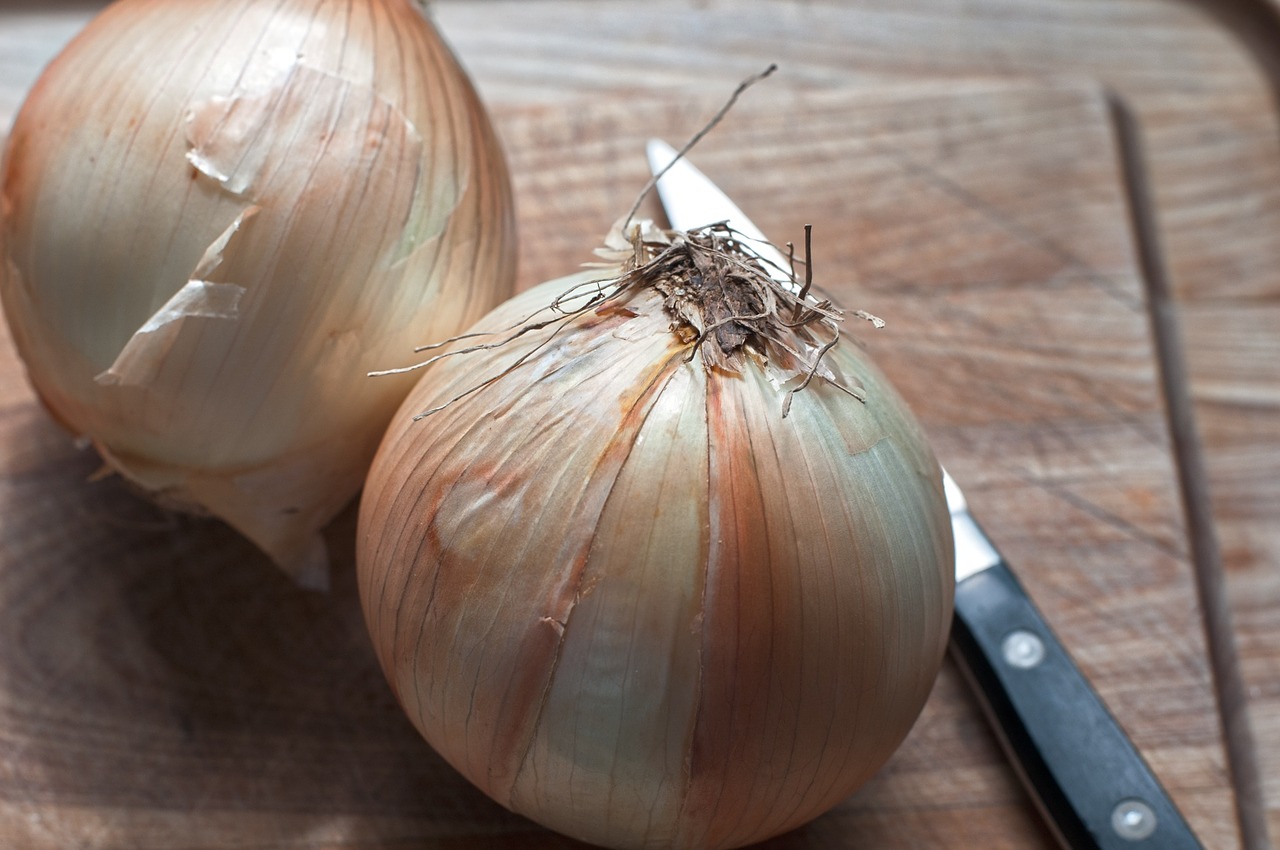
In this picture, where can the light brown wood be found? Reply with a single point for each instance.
(1201, 80)
(156, 664)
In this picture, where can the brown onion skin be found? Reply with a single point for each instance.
(103, 210)
(629, 601)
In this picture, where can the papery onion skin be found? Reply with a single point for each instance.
(219, 215)
(628, 600)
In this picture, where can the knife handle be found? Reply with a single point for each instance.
(1086, 775)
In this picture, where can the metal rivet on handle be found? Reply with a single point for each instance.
(1023, 649)
(1133, 820)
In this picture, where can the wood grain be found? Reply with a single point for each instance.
(162, 688)
(1200, 76)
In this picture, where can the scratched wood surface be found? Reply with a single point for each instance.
(1202, 81)
(160, 681)
(157, 694)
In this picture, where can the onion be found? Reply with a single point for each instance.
(666, 565)
(219, 215)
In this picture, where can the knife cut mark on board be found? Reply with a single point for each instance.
(1026, 235)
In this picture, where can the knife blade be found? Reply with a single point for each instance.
(1086, 777)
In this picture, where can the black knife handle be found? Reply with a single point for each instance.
(1089, 779)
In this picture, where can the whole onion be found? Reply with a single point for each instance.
(668, 564)
(219, 215)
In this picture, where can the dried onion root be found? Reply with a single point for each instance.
(714, 287)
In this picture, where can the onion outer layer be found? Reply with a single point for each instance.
(219, 215)
(627, 599)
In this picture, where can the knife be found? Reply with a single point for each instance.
(1084, 774)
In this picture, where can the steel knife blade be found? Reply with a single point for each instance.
(1084, 774)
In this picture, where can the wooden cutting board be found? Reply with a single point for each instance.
(162, 687)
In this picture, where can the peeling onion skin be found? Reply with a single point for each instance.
(628, 600)
(219, 215)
